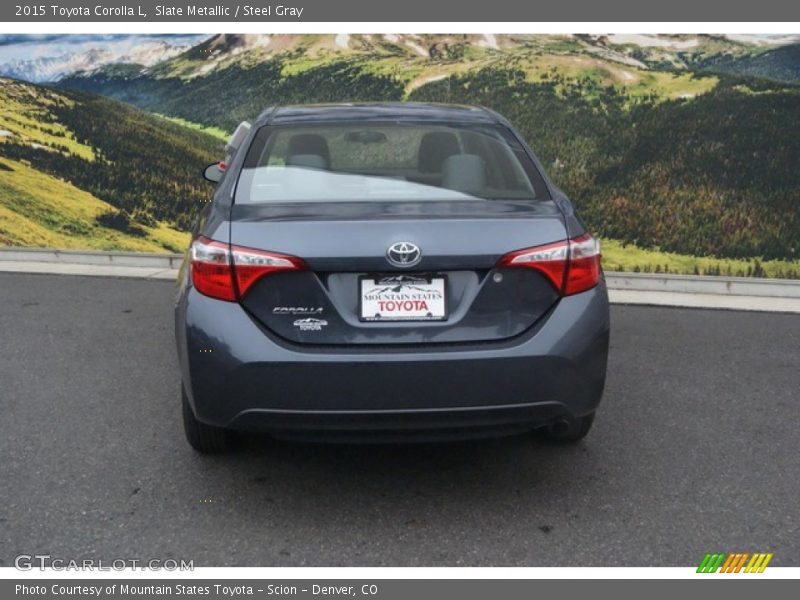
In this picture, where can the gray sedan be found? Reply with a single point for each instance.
(388, 272)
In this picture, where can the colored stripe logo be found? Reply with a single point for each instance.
(735, 562)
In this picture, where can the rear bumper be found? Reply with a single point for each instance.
(436, 424)
(237, 376)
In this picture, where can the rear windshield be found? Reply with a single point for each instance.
(386, 162)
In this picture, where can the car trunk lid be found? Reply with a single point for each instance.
(344, 246)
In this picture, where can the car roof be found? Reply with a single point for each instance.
(377, 111)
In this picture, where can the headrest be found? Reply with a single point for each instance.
(309, 143)
(311, 161)
(464, 173)
(434, 148)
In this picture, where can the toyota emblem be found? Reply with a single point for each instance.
(403, 254)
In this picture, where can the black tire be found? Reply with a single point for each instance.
(570, 431)
(206, 439)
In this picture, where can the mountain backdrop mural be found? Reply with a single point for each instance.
(682, 152)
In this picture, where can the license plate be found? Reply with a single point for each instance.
(403, 298)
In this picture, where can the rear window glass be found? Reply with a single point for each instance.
(386, 162)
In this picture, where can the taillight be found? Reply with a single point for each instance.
(227, 272)
(583, 272)
(572, 266)
(250, 265)
(211, 269)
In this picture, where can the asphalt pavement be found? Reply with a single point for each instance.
(695, 449)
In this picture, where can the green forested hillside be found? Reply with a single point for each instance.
(229, 96)
(667, 159)
(142, 170)
(780, 64)
(717, 175)
(672, 147)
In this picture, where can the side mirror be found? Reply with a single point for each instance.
(214, 172)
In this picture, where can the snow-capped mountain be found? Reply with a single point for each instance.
(56, 67)
(49, 60)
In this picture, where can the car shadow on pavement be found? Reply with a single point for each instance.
(492, 468)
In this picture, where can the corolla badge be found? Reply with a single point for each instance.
(297, 310)
(403, 254)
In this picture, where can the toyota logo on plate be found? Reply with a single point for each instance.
(403, 254)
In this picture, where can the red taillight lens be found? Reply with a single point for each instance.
(583, 272)
(227, 272)
(550, 259)
(250, 265)
(572, 266)
(211, 269)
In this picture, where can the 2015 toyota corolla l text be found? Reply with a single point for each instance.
(388, 272)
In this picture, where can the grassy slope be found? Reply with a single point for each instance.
(26, 116)
(212, 131)
(85, 171)
(39, 210)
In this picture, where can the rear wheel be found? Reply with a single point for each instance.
(570, 430)
(206, 439)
